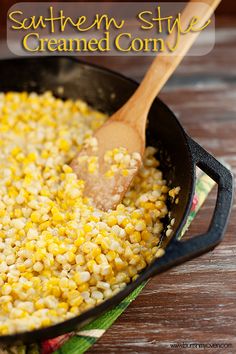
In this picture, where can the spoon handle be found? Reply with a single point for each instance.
(135, 111)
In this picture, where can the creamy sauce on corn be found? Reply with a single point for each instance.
(59, 255)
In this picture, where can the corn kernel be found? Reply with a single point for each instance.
(35, 217)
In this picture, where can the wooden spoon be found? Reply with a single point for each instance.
(126, 127)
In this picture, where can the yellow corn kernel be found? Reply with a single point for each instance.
(74, 310)
(120, 265)
(124, 222)
(16, 151)
(56, 291)
(4, 329)
(2, 213)
(45, 192)
(146, 235)
(129, 228)
(18, 213)
(63, 305)
(39, 255)
(140, 225)
(149, 206)
(111, 220)
(136, 215)
(111, 279)
(12, 192)
(147, 218)
(95, 252)
(165, 189)
(46, 322)
(39, 305)
(2, 235)
(83, 287)
(135, 237)
(44, 154)
(135, 259)
(79, 241)
(29, 246)
(21, 267)
(90, 265)
(64, 145)
(70, 257)
(67, 169)
(31, 157)
(125, 173)
(44, 225)
(87, 228)
(105, 245)
(35, 217)
(93, 281)
(111, 255)
(149, 258)
(74, 298)
(54, 249)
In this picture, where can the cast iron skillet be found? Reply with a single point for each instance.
(179, 155)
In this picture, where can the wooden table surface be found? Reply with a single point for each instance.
(195, 302)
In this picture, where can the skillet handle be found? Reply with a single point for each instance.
(180, 251)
